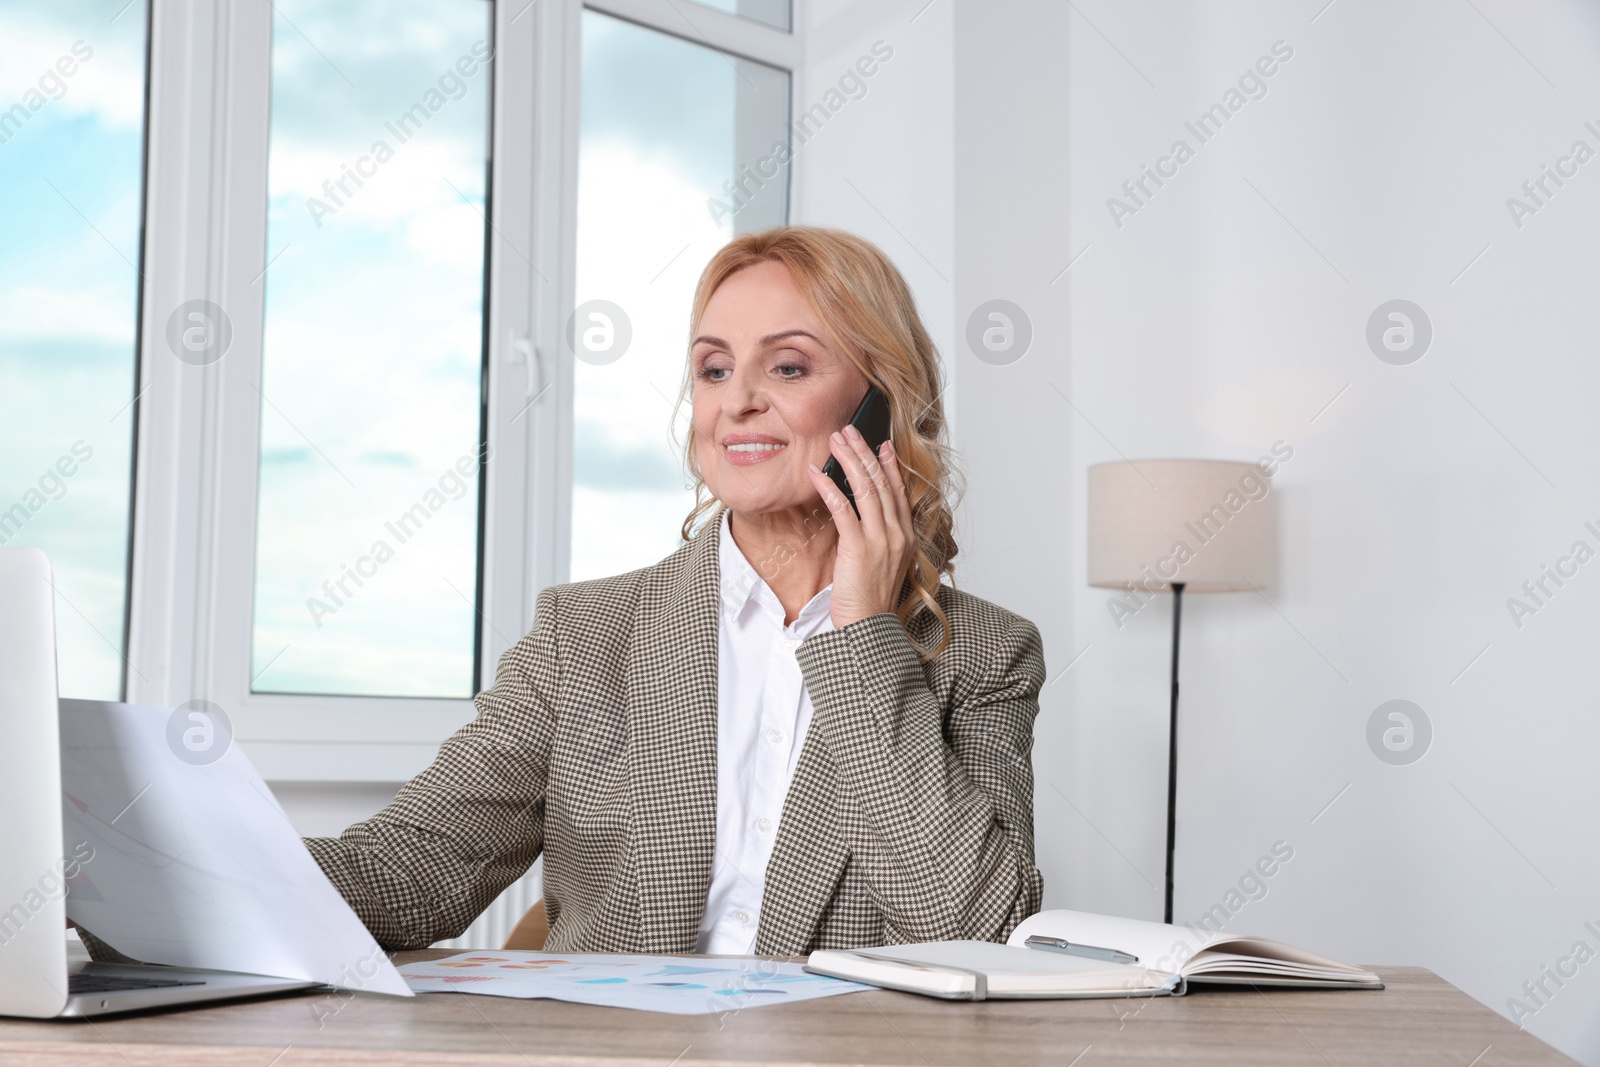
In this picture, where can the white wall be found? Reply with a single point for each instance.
(1225, 315)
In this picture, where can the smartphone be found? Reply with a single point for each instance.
(872, 420)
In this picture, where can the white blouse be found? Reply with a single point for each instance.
(763, 711)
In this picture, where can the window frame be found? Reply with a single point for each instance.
(194, 517)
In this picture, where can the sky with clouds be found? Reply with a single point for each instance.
(70, 173)
(372, 348)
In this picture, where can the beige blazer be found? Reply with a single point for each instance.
(909, 818)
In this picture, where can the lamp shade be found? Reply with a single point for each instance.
(1209, 524)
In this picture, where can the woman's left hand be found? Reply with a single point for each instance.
(875, 550)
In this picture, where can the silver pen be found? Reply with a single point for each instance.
(1093, 952)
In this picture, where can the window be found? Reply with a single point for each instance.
(367, 523)
(773, 13)
(680, 147)
(71, 186)
(301, 426)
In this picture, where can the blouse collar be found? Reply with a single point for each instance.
(741, 583)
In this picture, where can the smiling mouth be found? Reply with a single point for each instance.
(750, 453)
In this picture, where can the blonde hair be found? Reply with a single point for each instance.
(869, 311)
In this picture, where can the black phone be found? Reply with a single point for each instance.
(872, 420)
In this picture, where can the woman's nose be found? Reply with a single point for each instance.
(745, 393)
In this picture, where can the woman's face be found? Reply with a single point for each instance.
(769, 389)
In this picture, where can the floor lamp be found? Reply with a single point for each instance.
(1184, 525)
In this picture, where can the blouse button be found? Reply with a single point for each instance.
(764, 824)
(775, 735)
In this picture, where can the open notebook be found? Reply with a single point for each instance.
(1168, 958)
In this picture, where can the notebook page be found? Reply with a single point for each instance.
(1265, 956)
(1159, 946)
(1185, 950)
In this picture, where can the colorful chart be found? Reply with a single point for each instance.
(677, 984)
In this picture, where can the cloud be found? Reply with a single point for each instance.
(340, 71)
(33, 38)
(92, 313)
(644, 237)
(602, 462)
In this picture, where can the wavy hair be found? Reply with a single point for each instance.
(868, 309)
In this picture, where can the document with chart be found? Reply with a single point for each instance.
(681, 985)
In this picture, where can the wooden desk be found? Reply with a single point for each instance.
(1419, 1019)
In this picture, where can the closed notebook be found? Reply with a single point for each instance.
(983, 970)
(1167, 958)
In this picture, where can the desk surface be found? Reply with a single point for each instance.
(1419, 1018)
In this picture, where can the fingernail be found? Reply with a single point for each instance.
(812, 467)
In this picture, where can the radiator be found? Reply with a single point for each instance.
(497, 921)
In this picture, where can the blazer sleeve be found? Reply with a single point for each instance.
(469, 825)
(938, 801)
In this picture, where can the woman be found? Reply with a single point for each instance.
(788, 734)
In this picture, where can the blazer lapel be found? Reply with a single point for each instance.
(672, 742)
(808, 857)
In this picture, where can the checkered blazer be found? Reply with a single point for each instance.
(909, 817)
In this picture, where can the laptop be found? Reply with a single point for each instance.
(200, 916)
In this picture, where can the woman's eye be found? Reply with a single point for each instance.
(713, 374)
(785, 369)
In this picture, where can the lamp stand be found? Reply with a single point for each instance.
(1172, 746)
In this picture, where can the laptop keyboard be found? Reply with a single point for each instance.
(102, 983)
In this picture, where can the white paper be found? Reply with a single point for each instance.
(1158, 945)
(681, 985)
(197, 865)
(1185, 950)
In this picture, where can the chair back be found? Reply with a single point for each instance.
(531, 930)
